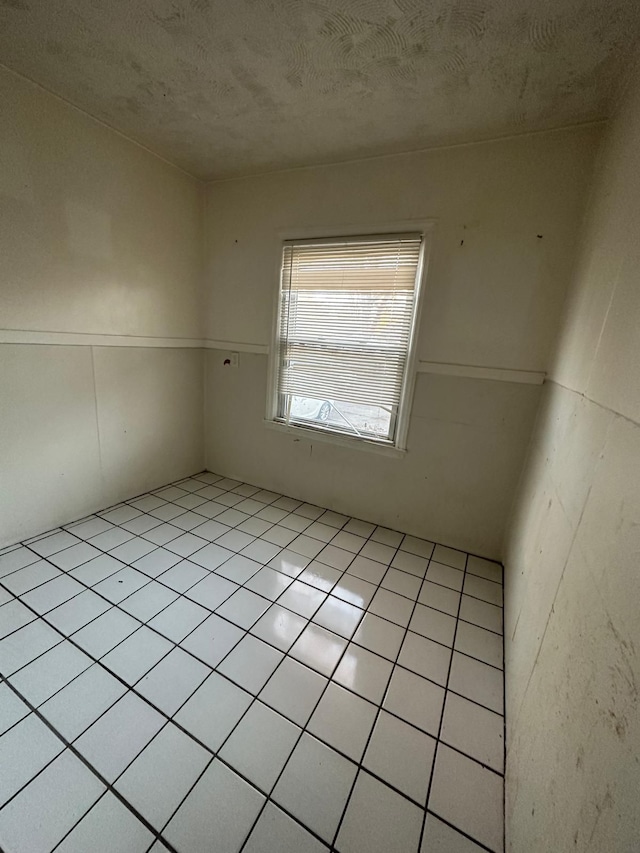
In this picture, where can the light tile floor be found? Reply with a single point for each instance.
(216, 667)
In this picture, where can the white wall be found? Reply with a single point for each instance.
(97, 237)
(573, 551)
(507, 215)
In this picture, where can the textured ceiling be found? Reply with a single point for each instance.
(229, 87)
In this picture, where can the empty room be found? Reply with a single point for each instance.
(319, 426)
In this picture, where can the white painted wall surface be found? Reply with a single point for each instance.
(573, 551)
(96, 236)
(507, 216)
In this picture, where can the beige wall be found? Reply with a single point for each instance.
(507, 215)
(97, 236)
(573, 553)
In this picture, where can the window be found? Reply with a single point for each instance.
(344, 333)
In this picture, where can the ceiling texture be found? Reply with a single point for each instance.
(235, 87)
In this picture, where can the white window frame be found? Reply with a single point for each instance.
(397, 447)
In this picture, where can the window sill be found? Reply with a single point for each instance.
(312, 435)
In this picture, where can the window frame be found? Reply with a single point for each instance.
(396, 447)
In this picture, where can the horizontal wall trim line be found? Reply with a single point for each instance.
(472, 371)
(24, 336)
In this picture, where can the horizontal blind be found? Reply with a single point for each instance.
(346, 314)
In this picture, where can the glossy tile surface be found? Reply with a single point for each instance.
(328, 684)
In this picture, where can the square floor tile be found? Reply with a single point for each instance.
(445, 575)
(360, 528)
(119, 735)
(25, 645)
(309, 511)
(434, 624)
(190, 501)
(379, 636)
(117, 587)
(16, 559)
(213, 710)
(439, 597)
(410, 564)
(277, 534)
(348, 541)
(82, 701)
(315, 785)
(104, 633)
(211, 591)
(419, 547)
(30, 577)
(396, 608)
(367, 570)
(261, 551)
(52, 544)
(238, 568)
(401, 755)
(477, 681)
(483, 589)
(162, 533)
(13, 616)
(268, 583)
(196, 823)
(183, 576)
(235, 540)
(250, 664)
(439, 837)
(167, 512)
(51, 594)
(339, 616)
(120, 514)
(50, 672)
(67, 788)
(479, 643)
(97, 570)
(293, 690)
(211, 530)
(364, 672)
(402, 583)
(24, 751)
(378, 820)
(449, 556)
(306, 546)
(277, 831)
(258, 527)
(415, 700)
(376, 551)
(132, 550)
(343, 720)
(110, 539)
(108, 828)
(137, 654)
(354, 590)
(289, 563)
(484, 568)
(211, 509)
(141, 524)
(12, 708)
(272, 514)
(302, 599)
(320, 576)
(189, 521)
(78, 611)
(186, 544)
(148, 502)
(279, 627)
(474, 730)
(468, 796)
(212, 640)
(243, 608)
(179, 619)
(172, 681)
(481, 613)
(148, 601)
(157, 562)
(425, 657)
(387, 537)
(323, 532)
(318, 648)
(260, 746)
(211, 556)
(171, 756)
(297, 523)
